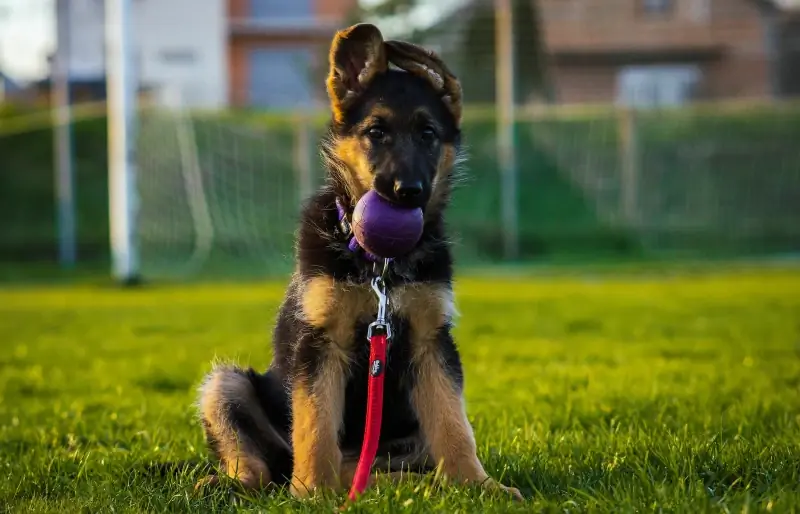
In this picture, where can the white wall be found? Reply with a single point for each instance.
(183, 43)
(179, 44)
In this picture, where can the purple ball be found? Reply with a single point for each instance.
(384, 229)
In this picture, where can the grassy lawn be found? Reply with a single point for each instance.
(618, 393)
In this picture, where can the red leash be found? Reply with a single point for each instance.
(379, 335)
(372, 430)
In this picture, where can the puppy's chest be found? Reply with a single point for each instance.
(399, 420)
(343, 310)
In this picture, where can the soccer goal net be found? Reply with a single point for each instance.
(220, 193)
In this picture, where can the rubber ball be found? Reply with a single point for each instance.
(385, 229)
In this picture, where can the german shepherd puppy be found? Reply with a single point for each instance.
(302, 422)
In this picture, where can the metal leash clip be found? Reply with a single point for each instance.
(380, 272)
(380, 325)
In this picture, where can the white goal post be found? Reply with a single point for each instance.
(121, 92)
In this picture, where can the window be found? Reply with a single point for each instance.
(272, 9)
(700, 11)
(280, 78)
(654, 86)
(178, 56)
(788, 62)
(657, 6)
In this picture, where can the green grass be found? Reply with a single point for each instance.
(607, 393)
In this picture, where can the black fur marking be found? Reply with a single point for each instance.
(274, 453)
(309, 356)
(450, 357)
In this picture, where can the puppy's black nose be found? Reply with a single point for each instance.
(407, 189)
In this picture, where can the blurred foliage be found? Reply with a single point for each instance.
(388, 8)
(27, 190)
(473, 26)
(530, 70)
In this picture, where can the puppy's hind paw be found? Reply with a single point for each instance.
(206, 483)
(514, 492)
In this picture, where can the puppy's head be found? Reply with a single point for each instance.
(394, 130)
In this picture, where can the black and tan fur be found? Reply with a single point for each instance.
(302, 422)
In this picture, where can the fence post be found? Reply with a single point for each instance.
(506, 148)
(302, 157)
(62, 113)
(629, 158)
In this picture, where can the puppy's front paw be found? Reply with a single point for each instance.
(206, 483)
(308, 488)
(301, 489)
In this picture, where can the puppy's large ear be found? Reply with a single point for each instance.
(426, 64)
(357, 55)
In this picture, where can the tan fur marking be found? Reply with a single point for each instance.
(317, 300)
(336, 307)
(427, 307)
(441, 182)
(250, 471)
(439, 406)
(316, 422)
(444, 422)
(358, 173)
(382, 112)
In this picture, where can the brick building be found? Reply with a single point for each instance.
(277, 50)
(666, 51)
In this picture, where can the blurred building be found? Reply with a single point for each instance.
(668, 51)
(213, 53)
(278, 50)
(9, 89)
(180, 46)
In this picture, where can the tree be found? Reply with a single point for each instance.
(473, 25)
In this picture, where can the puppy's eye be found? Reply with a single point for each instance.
(376, 133)
(428, 134)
